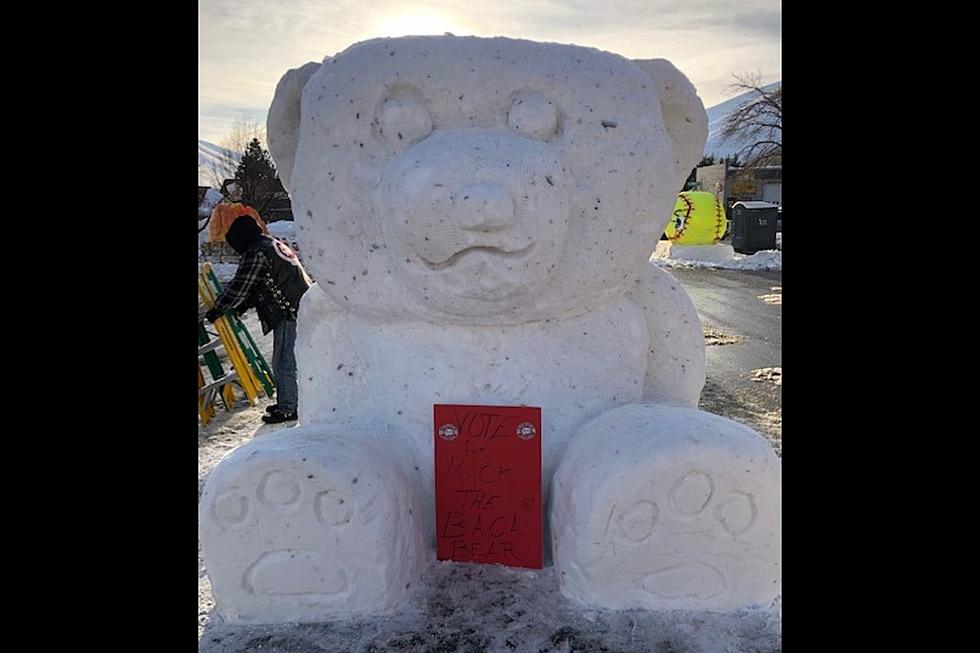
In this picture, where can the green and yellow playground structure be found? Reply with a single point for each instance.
(250, 372)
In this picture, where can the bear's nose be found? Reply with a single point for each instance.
(483, 207)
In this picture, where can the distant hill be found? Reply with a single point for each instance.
(211, 157)
(716, 122)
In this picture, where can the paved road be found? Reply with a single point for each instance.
(729, 303)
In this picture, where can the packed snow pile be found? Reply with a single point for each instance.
(283, 230)
(767, 259)
(774, 297)
(717, 253)
(773, 374)
(715, 337)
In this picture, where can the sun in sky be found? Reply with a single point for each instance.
(416, 24)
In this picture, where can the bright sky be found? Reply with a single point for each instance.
(247, 45)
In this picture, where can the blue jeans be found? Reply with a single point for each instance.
(284, 365)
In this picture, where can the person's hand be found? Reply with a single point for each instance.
(213, 315)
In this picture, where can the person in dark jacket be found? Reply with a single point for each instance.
(270, 278)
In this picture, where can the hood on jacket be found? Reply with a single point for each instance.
(243, 233)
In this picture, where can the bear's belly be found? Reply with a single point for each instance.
(573, 369)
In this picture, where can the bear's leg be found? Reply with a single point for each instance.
(302, 525)
(667, 507)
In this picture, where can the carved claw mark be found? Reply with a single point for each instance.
(294, 572)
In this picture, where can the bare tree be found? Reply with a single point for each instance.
(243, 130)
(223, 167)
(758, 123)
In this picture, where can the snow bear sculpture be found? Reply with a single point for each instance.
(478, 214)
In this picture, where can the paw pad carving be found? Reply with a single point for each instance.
(291, 572)
(333, 508)
(279, 490)
(736, 514)
(637, 522)
(231, 507)
(689, 579)
(692, 493)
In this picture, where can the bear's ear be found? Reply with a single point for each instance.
(282, 127)
(684, 115)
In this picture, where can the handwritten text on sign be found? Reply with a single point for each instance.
(488, 484)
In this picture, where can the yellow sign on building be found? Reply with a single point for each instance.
(744, 189)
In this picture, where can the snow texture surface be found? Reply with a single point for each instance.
(462, 608)
(767, 259)
(480, 247)
(469, 608)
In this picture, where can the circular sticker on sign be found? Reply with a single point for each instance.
(286, 254)
(526, 431)
(448, 431)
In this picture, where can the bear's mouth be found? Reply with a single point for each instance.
(496, 251)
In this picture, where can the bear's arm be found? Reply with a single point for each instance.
(330, 376)
(675, 357)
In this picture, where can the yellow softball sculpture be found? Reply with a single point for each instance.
(698, 219)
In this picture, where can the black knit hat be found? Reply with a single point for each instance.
(242, 233)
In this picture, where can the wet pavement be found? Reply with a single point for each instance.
(741, 312)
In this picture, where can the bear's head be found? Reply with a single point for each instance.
(481, 180)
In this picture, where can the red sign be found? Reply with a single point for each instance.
(488, 484)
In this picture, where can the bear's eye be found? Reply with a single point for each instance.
(403, 120)
(533, 114)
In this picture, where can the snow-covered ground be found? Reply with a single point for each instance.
(224, 271)
(767, 259)
(494, 609)
(283, 230)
